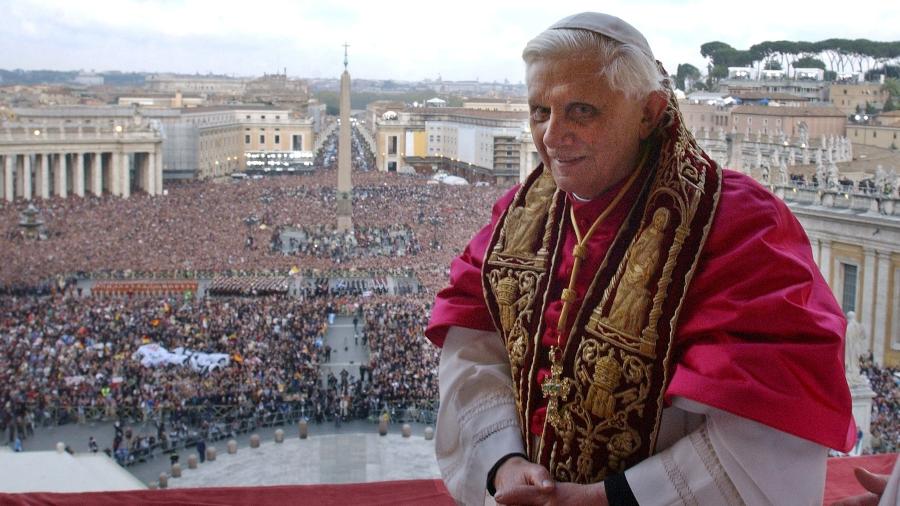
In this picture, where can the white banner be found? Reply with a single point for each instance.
(153, 355)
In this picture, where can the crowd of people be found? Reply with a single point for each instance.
(205, 227)
(326, 241)
(68, 359)
(885, 427)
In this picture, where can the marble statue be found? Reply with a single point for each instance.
(854, 347)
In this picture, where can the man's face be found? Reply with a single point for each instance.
(586, 133)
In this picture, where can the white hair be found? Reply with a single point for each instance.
(624, 66)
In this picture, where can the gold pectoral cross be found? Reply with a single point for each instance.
(555, 388)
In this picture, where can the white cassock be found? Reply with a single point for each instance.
(891, 495)
(705, 456)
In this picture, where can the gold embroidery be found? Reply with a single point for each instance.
(620, 447)
(630, 306)
(607, 375)
(508, 299)
(514, 291)
(525, 223)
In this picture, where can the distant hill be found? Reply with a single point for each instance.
(114, 78)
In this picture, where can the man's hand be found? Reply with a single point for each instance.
(573, 494)
(519, 481)
(874, 483)
(564, 494)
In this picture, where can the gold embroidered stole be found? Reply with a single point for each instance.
(617, 356)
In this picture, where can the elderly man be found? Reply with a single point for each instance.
(636, 325)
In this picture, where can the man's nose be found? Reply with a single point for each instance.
(556, 132)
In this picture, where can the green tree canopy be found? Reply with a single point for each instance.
(837, 55)
(892, 86)
(686, 71)
(808, 62)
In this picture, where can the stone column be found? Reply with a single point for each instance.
(115, 186)
(126, 175)
(23, 174)
(95, 174)
(9, 167)
(78, 178)
(825, 261)
(868, 292)
(42, 178)
(149, 175)
(814, 246)
(60, 167)
(879, 330)
(158, 171)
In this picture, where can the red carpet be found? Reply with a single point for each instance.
(412, 493)
(840, 484)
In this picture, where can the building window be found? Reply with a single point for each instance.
(277, 117)
(296, 142)
(247, 139)
(848, 296)
(262, 139)
(277, 139)
(262, 117)
(874, 133)
(392, 145)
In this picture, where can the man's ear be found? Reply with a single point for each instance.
(652, 112)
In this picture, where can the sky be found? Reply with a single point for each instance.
(389, 39)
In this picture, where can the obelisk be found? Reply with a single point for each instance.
(344, 185)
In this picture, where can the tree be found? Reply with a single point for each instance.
(808, 62)
(892, 86)
(686, 71)
(889, 105)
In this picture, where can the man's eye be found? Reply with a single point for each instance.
(582, 110)
(540, 114)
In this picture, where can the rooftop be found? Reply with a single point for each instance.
(762, 110)
(468, 113)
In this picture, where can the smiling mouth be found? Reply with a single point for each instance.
(568, 161)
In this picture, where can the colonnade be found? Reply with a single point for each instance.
(30, 175)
